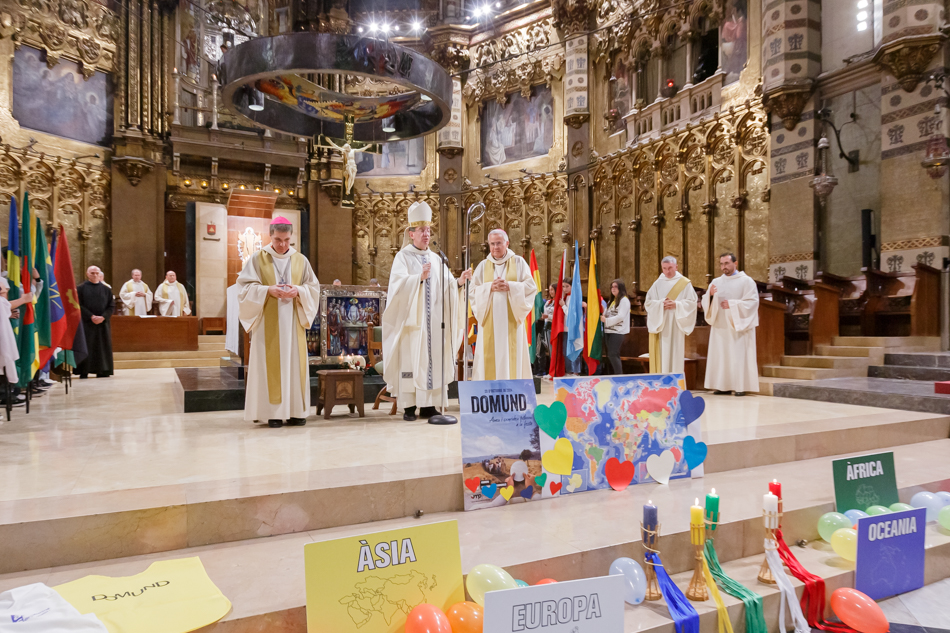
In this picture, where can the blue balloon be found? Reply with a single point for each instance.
(928, 500)
(854, 515)
(944, 496)
(635, 580)
(522, 583)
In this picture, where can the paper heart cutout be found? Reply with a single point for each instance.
(507, 492)
(473, 483)
(555, 488)
(489, 491)
(551, 419)
(540, 479)
(691, 407)
(574, 482)
(660, 467)
(694, 451)
(677, 453)
(619, 474)
(528, 492)
(559, 459)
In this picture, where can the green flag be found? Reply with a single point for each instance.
(27, 343)
(41, 263)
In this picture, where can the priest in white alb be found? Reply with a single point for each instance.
(731, 306)
(671, 316)
(172, 297)
(136, 295)
(417, 367)
(502, 295)
(278, 299)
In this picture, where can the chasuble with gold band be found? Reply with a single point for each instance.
(669, 328)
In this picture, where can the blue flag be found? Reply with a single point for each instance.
(575, 312)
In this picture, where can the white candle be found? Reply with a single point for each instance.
(770, 505)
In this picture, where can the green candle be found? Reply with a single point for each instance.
(712, 509)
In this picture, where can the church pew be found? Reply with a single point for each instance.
(852, 299)
(811, 316)
(902, 304)
(154, 334)
(770, 335)
(925, 302)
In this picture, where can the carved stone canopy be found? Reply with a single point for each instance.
(572, 16)
(787, 103)
(907, 58)
(134, 169)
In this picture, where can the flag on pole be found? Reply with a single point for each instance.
(557, 324)
(13, 262)
(44, 336)
(73, 339)
(28, 339)
(575, 312)
(57, 316)
(532, 325)
(594, 345)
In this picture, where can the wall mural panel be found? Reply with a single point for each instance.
(517, 129)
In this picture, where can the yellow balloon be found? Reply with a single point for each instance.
(485, 578)
(845, 543)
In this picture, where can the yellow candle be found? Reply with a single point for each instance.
(696, 523)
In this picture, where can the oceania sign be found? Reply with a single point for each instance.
(890, 529)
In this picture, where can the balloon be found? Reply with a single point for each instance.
(858, 611)
(854, 515)
(522, 583)
(635, 581)
(944, 517)
(943, 495)
(928, 500)
(900, 507)
(546, 581)
(845, 543)
(485, 578)
(466, 617)
(830, 522)
(427, 618)
(878, 510)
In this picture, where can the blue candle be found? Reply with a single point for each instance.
(649, 516)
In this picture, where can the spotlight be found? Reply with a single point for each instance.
(389, 125)
(478, 12)
(385, 28)
(187, 182)
(204, 184)
(396, 28)
(862, 16)
(225, 186)
(277, 190)
(359, 30)
(255, 99)
(243, 187)
(372, 27)
(416, 26)
(497, 5)
(257, 188)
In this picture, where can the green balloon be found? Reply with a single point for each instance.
(944, 517)
(876, 510)
(830, 523)
(901, 507)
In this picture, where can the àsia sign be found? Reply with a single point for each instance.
(593, 605)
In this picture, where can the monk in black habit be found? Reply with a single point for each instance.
(98, 304)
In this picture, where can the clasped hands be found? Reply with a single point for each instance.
(499, 285)
(712, 293)
(282, 291)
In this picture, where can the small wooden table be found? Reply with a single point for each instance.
(340, 386)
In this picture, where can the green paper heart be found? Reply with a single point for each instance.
(540, 479)
(551, 419)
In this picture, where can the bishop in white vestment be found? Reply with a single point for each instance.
(136, 295)
(732, 309)
(172, 297)
(279, 297)
(671, 316)
(416, 367)
(502, 295)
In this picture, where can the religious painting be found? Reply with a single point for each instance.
(314, 347)
(190, 33)
(402, 158)
(734, 39)
(83, 107)
(347, 313)
(620, 95)
(521, 128)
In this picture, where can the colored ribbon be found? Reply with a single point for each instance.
(685, 617)
(725, 626)
(787, 591)
(813, 598)
(754, 614)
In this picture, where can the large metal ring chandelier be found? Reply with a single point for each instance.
(266, 84)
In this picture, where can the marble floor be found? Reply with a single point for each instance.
(928, 607)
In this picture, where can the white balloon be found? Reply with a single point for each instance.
(635, 580)
(930, 501)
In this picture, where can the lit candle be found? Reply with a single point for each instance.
(770, 505)
(696, 523)
(775, 488)
(712, 509)
(649, 516)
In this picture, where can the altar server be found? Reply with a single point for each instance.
(502, 295)
(136, 295)
(172, 297)
(671, 316)
(97, 305)
(416, 367)
(732, 309)
(279, 297)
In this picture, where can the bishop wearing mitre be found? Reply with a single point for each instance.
(417, 365)
(732, 309)
(671, 316)
(172, 297)
(502, 296)
(135, 295)
(278, 299)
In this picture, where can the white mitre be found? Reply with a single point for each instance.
(419, 214)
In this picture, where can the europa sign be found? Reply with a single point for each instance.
(891, 553)
(593, 605)
(864, 481)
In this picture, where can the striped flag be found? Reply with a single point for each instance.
(594, 345)
(557, 323)
(575, 311)
(531, 327)
(13, 261)
(28, 339)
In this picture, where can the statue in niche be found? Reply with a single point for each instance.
(249, 243)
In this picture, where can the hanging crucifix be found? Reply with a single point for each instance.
(348, 149)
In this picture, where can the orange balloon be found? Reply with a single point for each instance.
(858, 611)
(546, 581)
(427, 618)
(466, 617)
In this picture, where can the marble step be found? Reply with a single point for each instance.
(167, 355)
(84, 527)
(888, 393)
(827, 362)
(876, 354)
(917, 343)
(766, 383)
(264, 578)
(904, 372)
(212, 338)
(167, 363)
(919, 360)
(804, 373)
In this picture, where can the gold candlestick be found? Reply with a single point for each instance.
(650, 539)
(697, 585)
(770, 520)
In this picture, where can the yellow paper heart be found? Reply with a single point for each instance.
(559, 459)
(574, 482)
(506, 492)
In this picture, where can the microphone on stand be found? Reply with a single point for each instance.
(442, 418)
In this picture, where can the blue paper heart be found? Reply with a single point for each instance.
(694, 452)
(489, 491)
(528, 492)
(691, 407)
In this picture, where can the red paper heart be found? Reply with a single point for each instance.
(555, 488)
(473, 484)
(619, 474)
